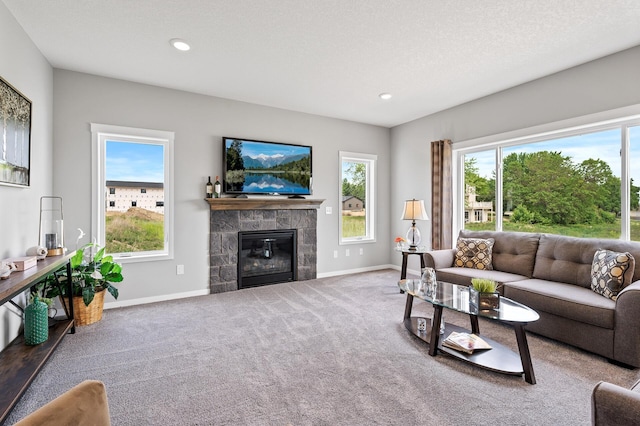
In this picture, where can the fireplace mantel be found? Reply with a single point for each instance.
(263, 203)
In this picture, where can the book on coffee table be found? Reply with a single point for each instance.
(465, 342)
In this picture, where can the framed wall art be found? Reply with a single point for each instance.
(15, 134)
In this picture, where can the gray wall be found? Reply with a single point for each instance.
(24, 68)
(605, 84)
(199, 123)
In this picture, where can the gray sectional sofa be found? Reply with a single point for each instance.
(552, 275)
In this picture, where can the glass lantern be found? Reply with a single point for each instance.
(51, 225)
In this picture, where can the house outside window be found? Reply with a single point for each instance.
(357, 206)
(576, 182)
(117, 154)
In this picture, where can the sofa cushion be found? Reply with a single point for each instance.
(564, 300)
(569, 259)
(513, 252)
(474, 253)
(611, 271)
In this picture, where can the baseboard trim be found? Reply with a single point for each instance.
(153, 299)
(357, 270)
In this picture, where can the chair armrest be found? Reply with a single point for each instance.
(84, 404)
(614, 405)
(626, 346)
(438, 259)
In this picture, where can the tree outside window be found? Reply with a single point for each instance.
(569, 185)
(357, 197)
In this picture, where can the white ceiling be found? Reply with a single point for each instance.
(331, 57)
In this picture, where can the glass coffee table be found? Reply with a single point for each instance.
(456, 297)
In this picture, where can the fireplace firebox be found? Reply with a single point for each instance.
(267, 257)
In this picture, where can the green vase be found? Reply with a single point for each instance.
(36, 323)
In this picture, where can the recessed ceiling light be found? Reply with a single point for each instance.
(180, 44)
(385, 96)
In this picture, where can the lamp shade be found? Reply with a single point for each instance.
(414, 210)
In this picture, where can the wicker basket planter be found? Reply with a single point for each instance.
(85, 315)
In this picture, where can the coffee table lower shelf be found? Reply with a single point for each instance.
(499, 358)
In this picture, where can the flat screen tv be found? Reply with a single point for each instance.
(266, 168)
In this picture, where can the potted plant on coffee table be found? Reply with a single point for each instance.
(483, 294)
(92, 273)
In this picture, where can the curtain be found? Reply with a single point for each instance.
(441, 195)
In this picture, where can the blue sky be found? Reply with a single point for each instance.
(601, 145)
(136, 162)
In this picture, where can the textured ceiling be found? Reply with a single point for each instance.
(331, 57)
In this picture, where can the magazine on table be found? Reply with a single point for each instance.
(465, 342)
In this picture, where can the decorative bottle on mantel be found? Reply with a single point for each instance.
(217, 188)
(209, 188)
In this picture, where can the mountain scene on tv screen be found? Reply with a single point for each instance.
(267, 168)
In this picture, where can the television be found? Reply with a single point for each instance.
(256, 167)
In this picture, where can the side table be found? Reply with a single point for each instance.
(405, 256)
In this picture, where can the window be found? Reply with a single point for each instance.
(633, 136)
(357, 180)
(575, 182)
(132, 161)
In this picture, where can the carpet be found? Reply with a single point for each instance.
(330, 351)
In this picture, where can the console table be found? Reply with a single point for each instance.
(19, 363)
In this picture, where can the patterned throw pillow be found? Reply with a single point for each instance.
(474, 253)
(611, 272)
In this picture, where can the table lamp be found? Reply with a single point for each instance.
(414, 210)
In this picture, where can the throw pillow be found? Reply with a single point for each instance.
(611, 272)
(474, 253)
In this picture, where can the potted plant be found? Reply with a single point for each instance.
(91, 274)
(483, 294)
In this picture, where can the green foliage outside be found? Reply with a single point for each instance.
(131, 232)
(353, 226)
(548, 190)
(356, 185)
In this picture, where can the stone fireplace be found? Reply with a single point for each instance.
(229, 216)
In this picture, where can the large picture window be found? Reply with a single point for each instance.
(574, 182)
(357, 203)
(128, 162)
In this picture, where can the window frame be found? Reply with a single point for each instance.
(623, 120)
(371, 183)
(100, 134)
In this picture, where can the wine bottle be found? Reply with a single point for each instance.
(209, 188)
(217, 188)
